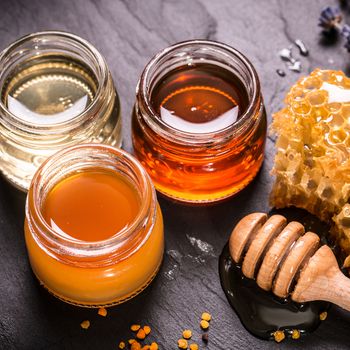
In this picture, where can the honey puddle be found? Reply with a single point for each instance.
(261, 312)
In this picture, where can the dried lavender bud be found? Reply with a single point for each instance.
(347, 43)
(330, 18)
(345, 31)
(302, 47)
(205, 338)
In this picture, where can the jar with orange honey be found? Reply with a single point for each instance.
(93, 230)
(199, 123)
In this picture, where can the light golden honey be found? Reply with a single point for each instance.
(56, 91)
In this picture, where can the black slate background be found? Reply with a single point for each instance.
(128, 33)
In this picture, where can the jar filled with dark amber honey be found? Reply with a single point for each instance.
(199, 123)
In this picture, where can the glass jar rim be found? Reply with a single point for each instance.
(101, 65)
(196, 138)
(95, 248)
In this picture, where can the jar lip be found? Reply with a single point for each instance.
(101, 66)
(197, 138)
(147, 201)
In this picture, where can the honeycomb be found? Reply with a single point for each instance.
(312, 162)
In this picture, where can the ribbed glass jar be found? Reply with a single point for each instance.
(56, 91)
(199, 167)
(94, 273)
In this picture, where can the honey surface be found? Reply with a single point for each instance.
(91, 206)
(199, 99)
(49, 90)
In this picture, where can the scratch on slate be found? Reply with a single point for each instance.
(127, 4)
(130, 42)
(285, 23)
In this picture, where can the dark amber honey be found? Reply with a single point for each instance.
(199, 99)
(199, 124)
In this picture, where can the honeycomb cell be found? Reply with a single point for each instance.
(312, 162)
(337, 136)
(312, 83)
(317, 98)
(296, 94)
(337, 120)
(324, 75)
(301, 107)
(345, 110)
(334, 107)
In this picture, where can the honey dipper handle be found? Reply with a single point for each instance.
(339, 291)
(321, 279)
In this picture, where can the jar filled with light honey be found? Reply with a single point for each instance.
(199, 123)
(93, 229)
(55, 91)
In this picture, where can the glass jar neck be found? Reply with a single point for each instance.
(191, 53)
(59, 44)
(77, 159)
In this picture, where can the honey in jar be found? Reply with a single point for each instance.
(55, 91)
(91, 206)
(94, 230)
(199, 124)
(199, 99)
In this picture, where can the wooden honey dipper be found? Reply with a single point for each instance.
(285, 260)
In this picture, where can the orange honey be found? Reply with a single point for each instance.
(91, 206)
(93, 230)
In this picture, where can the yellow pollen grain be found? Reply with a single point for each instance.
(85, 324)
(279, 336)
(147, 329)
(182, 344)
(206, 316)
(323, 315)
(295, 334)
(102, 311)
(141, 334)
(154, 346)
(204, 324)
(187, 334)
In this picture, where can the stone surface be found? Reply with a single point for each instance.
(128, 33)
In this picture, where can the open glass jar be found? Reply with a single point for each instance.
(93, 272)
(55, 91)
(194, 160)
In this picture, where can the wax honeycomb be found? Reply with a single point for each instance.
(312, 165)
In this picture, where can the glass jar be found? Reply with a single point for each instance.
(56, 91)
(94, 273)
(199, 167)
